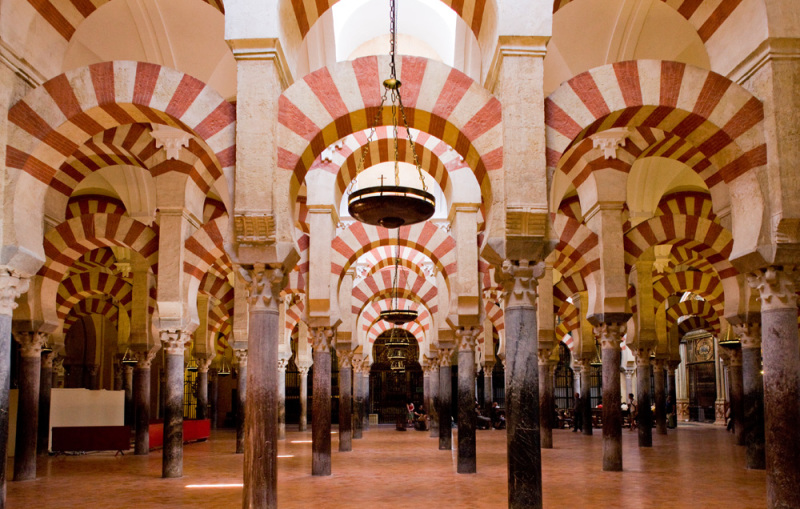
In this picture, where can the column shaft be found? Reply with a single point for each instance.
(661, 398)
(5, 384)
(433, 409)
(282, 400)
(358, 403)
(612, 411)
(303, 426)
(467, 419)
(213, 398)
(345, 408)
(321, 414)
(367, 406)
(753, 403)
(202, 394)
(172, 454)
(546, 404)
(737, 407)
(127, 386)
(645, 428)
(45, 386)
(141, 396)
(586, 397)
(445, 396)
(27, 418)
(241, 394)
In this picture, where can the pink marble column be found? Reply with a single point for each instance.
(358, 396)
(241, 394)
(282, 363)
(345, 359)
(433, 408)
(45, 387)
(321, 401)
(546, 397)
(174, 343)
(467, 419)
(645, 424)
(303, 423)
(610, 335)
(28, 403)
(141, 399)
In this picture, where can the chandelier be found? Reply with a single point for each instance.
(394, 314)
(397, 344)
(391, 206)
(128, 359)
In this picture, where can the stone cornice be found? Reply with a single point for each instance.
(511, 46)
(264, 49)
(20, 67)
(772, 48)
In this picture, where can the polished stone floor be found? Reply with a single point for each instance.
(697, 466)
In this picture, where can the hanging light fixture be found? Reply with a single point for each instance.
(225, 368)
(46, 348)
(598, 358)
(730, 342)
(192, 366)
(398, 346)
(394, 314)
(386, 205)
(128, 359)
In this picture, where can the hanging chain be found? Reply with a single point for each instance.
(411, 143)
(396, 269)
(393, 37)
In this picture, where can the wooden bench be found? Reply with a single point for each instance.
(91, 438)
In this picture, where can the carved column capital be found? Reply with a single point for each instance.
(264, 287)
(467, 338)
(433, 365)
(303, 370)
(204, 363)
(356, 362)
(544, 355)
(444, 357)
(241, 356)
(610, 334)
(31, 343)
(658, 364)
(776, 287)
(366, 367)
(321, 338)
(519, 279)
(174, 342)
(642, 356)
(144, 358)
(749, 334)
(282, 365)
(47, 360)
(731, 356)
(345, 359)
(12, 285)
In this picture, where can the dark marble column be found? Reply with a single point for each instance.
(433, 408)
(467, 419)
(366, 368)
(610, 335)
(241, 394)
(488, 387)
(345, 359)
(781, 350)
(117, 375)
(546, 397)
(174, 343)
(752, 395)
(522, 384)
(141, 400)
(661, 397)
(213, 397)
(45, 387)
(445, 403)
(261, 413)
(282, 363)
(426, 386)
(202, 387)
(358, 397)
(127, 386)
(732, 356)
(303, 426)
(321, 401)
(94, 376)
(673, 388)
(28, 403)
(645, 424)
(11, 287)
(586, 394)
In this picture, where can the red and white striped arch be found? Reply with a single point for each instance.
(294, 313)
(693, 307)
(92, 306)
(339, 100)
(205, 247)
(479, 15)
(50, 123)
(681, 256)
(80, 205)
(718, 117)
(87, 284)
(297, 278)
(102, 259)
(706, 16)
(219, 288)
(427, 238)
(381, 326)
(707, 286)
(372, 311)
(65, 16)
(382, 281)
(577, 250)
(494, 313)
(694, 323)
(384, 256)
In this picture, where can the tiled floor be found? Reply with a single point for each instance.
(697, 466)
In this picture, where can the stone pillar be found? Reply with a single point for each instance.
(732, 355)
(426, 385)
(546, 397)
(467, 419)
(12, 285)
(366, 368)
(681, 389)
(321, 402)
(117, 375)
(127, 386)
(673, 387)
(174, 343)
(93, 372)
(719, 403)
(433, 409)
(303, 426)
(661, 396)
(213, 397)
(645, 427)
(358, 396)
(628, 381)
(488, 387)
(781, 351)
(752, 395)
(261, 414)
(522, 384)
(203, 365)
(241, 394)
(28, 403)
(445, 395)
(141, 400)
(45, 386)
(345, 359)
(586, 394)
(282, 364)
(610, 335)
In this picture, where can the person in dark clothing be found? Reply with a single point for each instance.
(420, 418)
(577, 414)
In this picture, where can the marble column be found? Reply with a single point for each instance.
(445, 403)
(93, 372)
(645, 424)
(282, 364)
(433, 409)
(546, 397)
(28, 403)
(203, 365)
(127, 386)
(12, 285)
(522, 384)
(45, 386)
(345, 360)
(366, 369)
(321, 402)
(141, 400)
(672, 386)
(261, 414)
(467, 419)
(117, 374)
(732, 355)
(488, 387)
(426, 385)
(303, 426)
(358, 397)
(586, 394)
(628, 382)
(661, 396)
(213, 397)
(241, 395)
(780, 347)
(610, 335)
(752, 395)
(174, 343)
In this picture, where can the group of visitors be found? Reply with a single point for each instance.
(495, 420)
